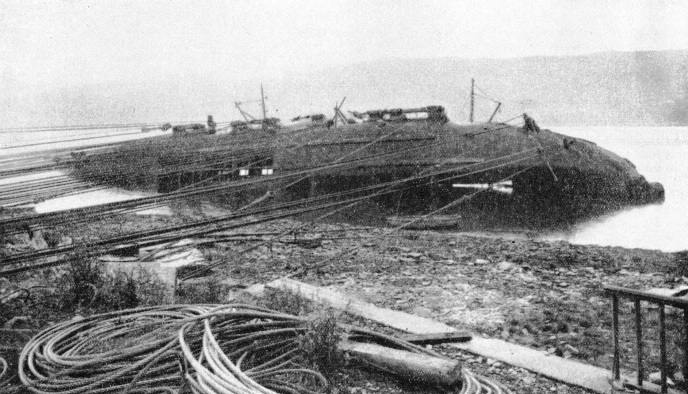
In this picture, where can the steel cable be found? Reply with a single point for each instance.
(248, 143)
(100, 209)
(184, 160)
(4, 368)
(319, 207)
(204, 348)
(384, 189)
(217, 223)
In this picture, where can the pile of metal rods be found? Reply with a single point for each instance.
(112, 171)
(203, 349)
(70, 158)
(33, 191)
(178, 150)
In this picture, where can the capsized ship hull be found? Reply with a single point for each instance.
(552, 178)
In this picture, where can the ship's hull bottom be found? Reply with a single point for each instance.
(534, 200)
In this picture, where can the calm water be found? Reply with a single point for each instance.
(661, 155)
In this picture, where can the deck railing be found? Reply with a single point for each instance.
(661, 301)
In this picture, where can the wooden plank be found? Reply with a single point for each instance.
(616, 371)
(639, 343)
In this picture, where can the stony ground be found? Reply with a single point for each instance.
(546, 295)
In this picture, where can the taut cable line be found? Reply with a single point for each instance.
(97, 247)
(391, 187)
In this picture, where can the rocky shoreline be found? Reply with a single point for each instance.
(545, 295)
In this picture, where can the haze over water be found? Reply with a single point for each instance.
(660, 154)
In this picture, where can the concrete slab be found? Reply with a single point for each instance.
(557, 368)
(395, 319)
(162, 261)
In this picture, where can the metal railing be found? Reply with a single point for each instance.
(661, 301)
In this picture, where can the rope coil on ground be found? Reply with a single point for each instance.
(203, 349)
(476, 384)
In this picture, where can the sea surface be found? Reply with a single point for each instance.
(661, 155)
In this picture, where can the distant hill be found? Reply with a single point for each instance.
(612, 88)
(609, 88)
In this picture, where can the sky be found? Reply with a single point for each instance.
(72, 42)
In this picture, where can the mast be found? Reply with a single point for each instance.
(470, 116)
(499, 105)
(262, 100)
(242, 112)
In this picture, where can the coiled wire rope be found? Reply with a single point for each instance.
(199, 348)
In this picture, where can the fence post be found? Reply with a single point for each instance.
(616, 372)
(662, 347)
(639, 340)
(685, 348)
